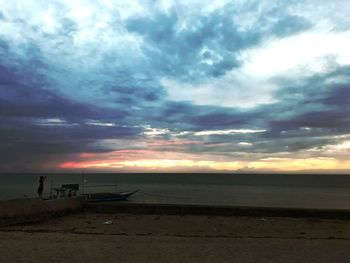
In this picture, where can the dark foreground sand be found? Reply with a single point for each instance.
(87, 237)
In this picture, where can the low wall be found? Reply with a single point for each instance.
(174, 209)
(20, 211)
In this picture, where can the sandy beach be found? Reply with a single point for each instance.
(103, 237)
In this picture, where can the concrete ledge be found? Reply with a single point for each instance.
(21, 211)
(172, 209)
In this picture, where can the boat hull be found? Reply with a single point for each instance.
(107, 197)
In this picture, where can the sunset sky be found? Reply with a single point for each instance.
(188, 86)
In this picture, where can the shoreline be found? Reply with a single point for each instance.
(21, 211)
(214, 210)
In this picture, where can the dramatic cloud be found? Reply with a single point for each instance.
(200, 86)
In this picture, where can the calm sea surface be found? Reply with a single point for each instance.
(272, 190)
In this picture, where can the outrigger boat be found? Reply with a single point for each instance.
(105, 197)
(68, 190)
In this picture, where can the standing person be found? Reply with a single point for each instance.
(41, 186)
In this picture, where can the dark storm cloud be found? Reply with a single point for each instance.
(38, 111)
(36, 122)
(208, 45)
(24, 93)
(307, 115)
(310, 114)
(220, 119)
(321, 102)
(182, 116)
(39, 123)
(134, 93)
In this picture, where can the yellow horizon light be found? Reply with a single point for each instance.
(273, 164)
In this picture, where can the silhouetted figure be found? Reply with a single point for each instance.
(41, 186)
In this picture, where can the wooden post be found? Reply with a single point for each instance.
(51, 185)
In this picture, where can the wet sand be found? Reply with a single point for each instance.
(102, 237)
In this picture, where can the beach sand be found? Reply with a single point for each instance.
(99, 237)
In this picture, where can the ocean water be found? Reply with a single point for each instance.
(268, 190)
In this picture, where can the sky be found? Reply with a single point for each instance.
(175, 86)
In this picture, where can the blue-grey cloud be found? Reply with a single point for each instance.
(64, 89)
(307, 115)
(208, 45)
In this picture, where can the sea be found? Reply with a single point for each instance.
(320, 191)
